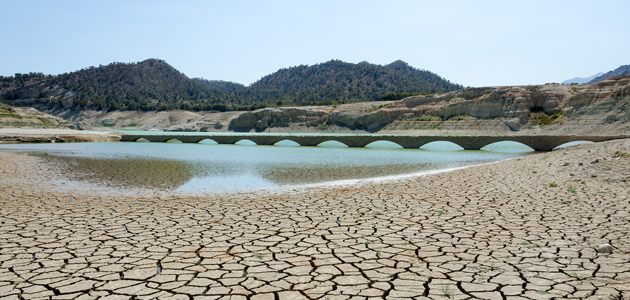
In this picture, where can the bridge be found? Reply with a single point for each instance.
(468, 142)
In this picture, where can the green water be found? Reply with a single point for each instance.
(206, 168)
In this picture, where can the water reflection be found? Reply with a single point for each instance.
(134, 172)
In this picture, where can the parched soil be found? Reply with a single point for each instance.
(496, 231)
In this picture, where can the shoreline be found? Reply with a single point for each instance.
(496, 230)
(370, 182)
(43, 135)
(59, 181)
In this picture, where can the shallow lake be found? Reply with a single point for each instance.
(210, 168)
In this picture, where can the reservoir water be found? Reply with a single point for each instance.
(209, 168)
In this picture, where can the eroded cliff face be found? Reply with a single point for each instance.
(279, 117)
(598, 109)
(362, 116)
(28, 117)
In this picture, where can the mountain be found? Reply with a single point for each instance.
(148, 85)
(155, 85)
(341, 82)
(623, 70)
(136, 86)
(581, 80)
(226, 86)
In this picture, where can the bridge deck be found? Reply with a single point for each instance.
(468, 142)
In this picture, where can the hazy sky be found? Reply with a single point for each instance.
(474, 43)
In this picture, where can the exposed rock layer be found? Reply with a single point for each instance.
(561, 107)
(27, 116)
(555, 109)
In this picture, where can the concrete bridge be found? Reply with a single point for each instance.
(468, 142)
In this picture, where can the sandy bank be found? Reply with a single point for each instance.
(42, 135)
(525, 228)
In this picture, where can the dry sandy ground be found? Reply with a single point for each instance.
(496, 231)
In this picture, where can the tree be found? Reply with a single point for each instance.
(61, 102)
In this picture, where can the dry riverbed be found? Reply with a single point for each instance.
(526, 228)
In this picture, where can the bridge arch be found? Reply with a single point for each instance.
(287, 143)
(207, 142)
(383, 144)
(245, 142)
(142, 140)
(442, 146)
(507, 146)
(470, 142)
(174, 141)
(332, 144)
(574, 143)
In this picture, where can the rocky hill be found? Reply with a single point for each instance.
(582, 80)
(154, 85)
(337, 82)
(602, 108)
(148, 85)
(623, 70)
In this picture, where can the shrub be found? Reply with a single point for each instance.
(543, 119)
(457, 118)
(429, 118)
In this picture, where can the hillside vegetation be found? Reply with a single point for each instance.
(340, 82)
(148, 85)
(226, 86)
(154, 85)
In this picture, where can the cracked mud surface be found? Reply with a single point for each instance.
(497, 231)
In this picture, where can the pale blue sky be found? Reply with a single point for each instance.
(474, 43)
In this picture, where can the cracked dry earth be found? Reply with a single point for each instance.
(496, 231)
